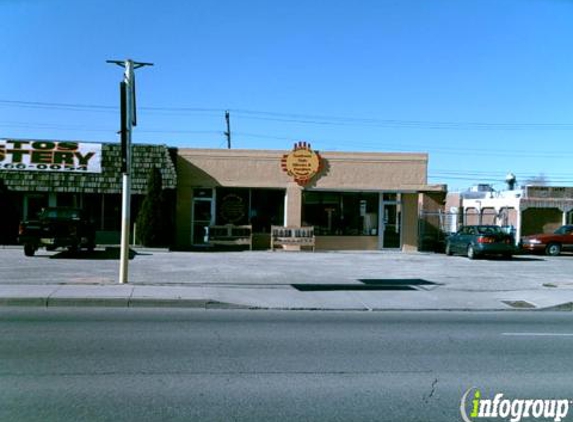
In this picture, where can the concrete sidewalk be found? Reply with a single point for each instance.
(281, 299)
(266, 280)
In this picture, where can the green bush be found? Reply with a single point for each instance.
(151, 221)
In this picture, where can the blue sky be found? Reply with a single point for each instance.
(485, 87)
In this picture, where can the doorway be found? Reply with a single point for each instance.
(34, 203)
(390, 236)
(201, 216)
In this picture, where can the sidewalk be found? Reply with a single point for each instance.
(365, 281)
(279, 299)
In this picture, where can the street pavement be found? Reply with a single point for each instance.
(361, 281)
(182, 365)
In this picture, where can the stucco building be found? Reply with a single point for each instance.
(529, 210)
(355, 201)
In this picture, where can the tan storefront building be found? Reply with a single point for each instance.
(355, 201)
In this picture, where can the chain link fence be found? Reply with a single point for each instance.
(435, 226)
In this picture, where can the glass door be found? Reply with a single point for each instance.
(34, 204)
(390, 223)
(392, 227)
(202, 216)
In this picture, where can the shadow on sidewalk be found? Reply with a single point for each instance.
(369, 284)
(109, 253)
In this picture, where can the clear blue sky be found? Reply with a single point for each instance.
(484, 86)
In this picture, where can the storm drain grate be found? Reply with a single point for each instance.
(397, 282)
(519, 304)
(349, 287)
(369, 284)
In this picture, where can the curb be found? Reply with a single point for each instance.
(183, 303)
(206, 304)
(62, 302)
(24, 301)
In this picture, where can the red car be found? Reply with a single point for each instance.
(551, 244)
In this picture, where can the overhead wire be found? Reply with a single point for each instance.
(302, 118)
(327, 143)
(323, 120)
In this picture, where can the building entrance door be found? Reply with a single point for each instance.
(33, 205)
(201, 216)
(392, 227)
(390, 236)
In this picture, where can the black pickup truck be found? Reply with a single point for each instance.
(57, 227)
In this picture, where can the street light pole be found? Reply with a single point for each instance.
(128, 121)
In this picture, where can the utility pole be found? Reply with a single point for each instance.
(128, 121)
(228, 132)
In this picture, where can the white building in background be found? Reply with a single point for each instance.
(529, 210)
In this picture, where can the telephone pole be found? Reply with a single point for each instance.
(128, 121)
(228, 132)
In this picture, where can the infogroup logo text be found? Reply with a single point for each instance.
(473, 407)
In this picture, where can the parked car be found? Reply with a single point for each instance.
(57, 227)
(475, 241)
(550, 243)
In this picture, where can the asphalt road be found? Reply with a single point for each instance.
(190, 365)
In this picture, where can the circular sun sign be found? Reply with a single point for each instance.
(302, 163)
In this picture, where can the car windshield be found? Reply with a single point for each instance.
(564, 230)
(489, 230)
(61, 213)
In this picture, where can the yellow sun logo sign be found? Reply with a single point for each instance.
(302, 163)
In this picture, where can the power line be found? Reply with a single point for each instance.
(57, 106)
(413, 123)
(321, 143)
(104, 108)
(82, 128)
(499, 176)
(406, 124)
(304, 118)
(404, 147)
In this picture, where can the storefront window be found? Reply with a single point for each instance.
(112, 212)
(341, 213)
(259, 207)
(93, 206)
(202, 193)
(232, 206)
(34, 204)
(267, 209)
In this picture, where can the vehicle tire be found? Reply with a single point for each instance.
(471, 252)
(449, 250)
(553, 249)
(73, 249)
(29, 249)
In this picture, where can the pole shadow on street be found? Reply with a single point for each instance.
(109, 253)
